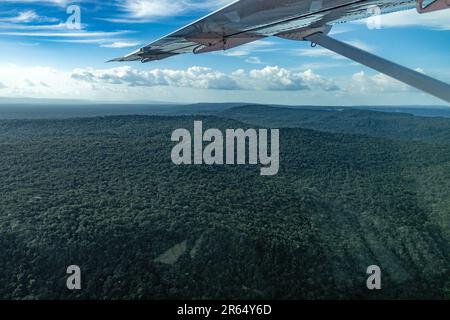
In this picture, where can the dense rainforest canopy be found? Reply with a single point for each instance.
(355, 189)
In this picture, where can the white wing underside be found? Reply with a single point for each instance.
(245, 21)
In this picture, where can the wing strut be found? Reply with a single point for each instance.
(413, 78)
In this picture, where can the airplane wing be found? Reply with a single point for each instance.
(245, 21)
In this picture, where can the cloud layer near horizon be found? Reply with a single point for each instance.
(126, 83)
(269, 78)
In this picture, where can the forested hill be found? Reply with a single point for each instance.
(102, 193)
(347, 120)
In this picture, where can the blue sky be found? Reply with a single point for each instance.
(42, 58)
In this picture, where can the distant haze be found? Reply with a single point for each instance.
(60, 109)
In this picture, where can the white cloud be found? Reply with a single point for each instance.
(322, 65)
(120, 44)
(54, 2)
(22, 17)
(28, 81)
(315, 53)
(154, 9)
(20, 27)
(269, 84)
(253, 60)
(79, 34)
(281, 79)
(364, 83)
(194, 77)
(439, 20)
(268, 78)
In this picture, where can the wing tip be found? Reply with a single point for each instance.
(134, 56)
(114, 60)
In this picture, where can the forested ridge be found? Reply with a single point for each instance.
(390, 125)
(102, 193)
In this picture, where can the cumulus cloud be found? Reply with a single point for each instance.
(271, 84)
(268, 78)
(281, 79)
(364, 83)
(194, 77)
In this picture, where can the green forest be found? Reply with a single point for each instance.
(355, 188)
